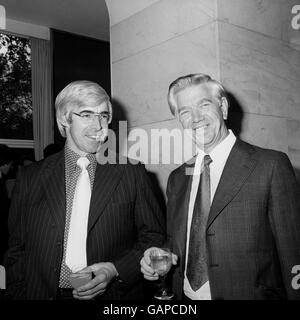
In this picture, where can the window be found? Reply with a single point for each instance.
(16, 126)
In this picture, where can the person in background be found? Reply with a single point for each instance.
(233, 216)
(68, 210)
(25, 159)
(6, 165)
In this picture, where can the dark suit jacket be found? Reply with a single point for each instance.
(253, 229)
(124, 220)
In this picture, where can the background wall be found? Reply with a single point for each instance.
(78, 58)
(249, 45)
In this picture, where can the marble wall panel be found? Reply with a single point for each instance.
(160, 22)
(140, 83)
(261, 72)
(159, 156)
(293, 131)
(262, 16)
(294, 155)
(120, 10)
(264, 131)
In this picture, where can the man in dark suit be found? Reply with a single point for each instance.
(6, 165)
(233, 211)
(68, 210)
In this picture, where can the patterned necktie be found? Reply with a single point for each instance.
(76, 245)
(197, 265)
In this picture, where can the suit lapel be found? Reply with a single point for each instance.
(107, 177)
(53, 182)
(237, 169)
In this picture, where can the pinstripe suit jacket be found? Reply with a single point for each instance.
(253, 229)
(124, 220)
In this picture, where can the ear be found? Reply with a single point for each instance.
(224, 107)
(64, 121)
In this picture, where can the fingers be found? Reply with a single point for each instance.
(147, 271)
(152, 277)
(174, 259)
(91, 293)
(87, 295)
(92, 289)
(147, 255)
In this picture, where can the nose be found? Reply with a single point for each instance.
(96, 124)
(197, 115)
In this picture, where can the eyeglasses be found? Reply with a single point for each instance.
(90, 117)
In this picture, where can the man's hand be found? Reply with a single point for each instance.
(104, 272)
(146, 268)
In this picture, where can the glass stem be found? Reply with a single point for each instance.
(163, 285)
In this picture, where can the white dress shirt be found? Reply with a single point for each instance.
(219, 156)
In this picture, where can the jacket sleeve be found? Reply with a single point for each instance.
(169, 194)
(150, 228)
(284, 215)
(15, 255)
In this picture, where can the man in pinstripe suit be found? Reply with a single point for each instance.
(124, 217)
(251, 227)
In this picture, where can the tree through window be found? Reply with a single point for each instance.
(15, 88)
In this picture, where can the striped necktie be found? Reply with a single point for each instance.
(197, 265)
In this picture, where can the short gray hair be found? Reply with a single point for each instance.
(191, 80)
(76, 94)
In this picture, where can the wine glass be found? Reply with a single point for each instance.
(161, 262)
(78, 277)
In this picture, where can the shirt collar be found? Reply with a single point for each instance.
(72, 158)
(222, 150)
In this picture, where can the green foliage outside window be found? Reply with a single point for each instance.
(15, 88)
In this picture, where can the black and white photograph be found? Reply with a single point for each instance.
(149, 153)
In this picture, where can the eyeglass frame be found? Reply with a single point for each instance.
(93, 115)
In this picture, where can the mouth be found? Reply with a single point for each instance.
(201, 127)
(100, 136)
(94, 138)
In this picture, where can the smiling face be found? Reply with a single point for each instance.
(86, 137)
(199, 109)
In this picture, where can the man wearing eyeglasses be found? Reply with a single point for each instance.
(233, 217)
(70, 213)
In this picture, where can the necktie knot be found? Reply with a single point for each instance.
(83, 162)
(207, 160)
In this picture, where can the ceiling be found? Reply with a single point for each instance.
(85, 17)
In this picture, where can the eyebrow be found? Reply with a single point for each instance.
(92, 112)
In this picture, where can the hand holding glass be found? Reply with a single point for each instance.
(78, 277)
(161, 262)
